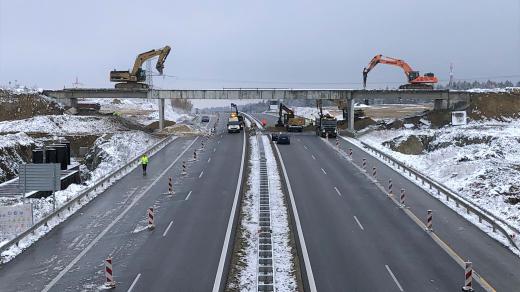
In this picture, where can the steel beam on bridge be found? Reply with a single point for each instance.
(286, 94)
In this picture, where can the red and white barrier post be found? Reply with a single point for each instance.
(194, 154)
(109, 282)
(184, 168)
(150, 216)
(374, 172)
(170, 186)
(350, 153)
(401, 200)
(364, 164)
(337, 142)
(390, 186)
(468, 277)
(429, 219)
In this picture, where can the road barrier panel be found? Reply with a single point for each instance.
(374, 172)
(350, 153)
(429, 220)
(390, 186)
(402, 198)
(170, 186)
(109, 277)
(150, 216)
(364, 164)
(468, 277)
(184, 168)
(194, 155)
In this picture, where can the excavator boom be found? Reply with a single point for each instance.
(415, 80)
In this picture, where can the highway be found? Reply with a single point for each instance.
(353, 231)
(182, 253)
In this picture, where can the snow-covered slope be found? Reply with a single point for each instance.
(480, 161)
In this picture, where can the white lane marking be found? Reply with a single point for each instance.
(359, 223)
(214, 149)
(218, 142)
(393, 277)
(305, 147)
(114, 222)
(209, 159)
(313, 157)
(323, 171)
(134, 282)
(201, 173)
(227, 238)
(337, 191)
(188, 196)
(306, 260)
(167, 228)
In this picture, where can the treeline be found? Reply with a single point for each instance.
(183, 104)
(464, 85)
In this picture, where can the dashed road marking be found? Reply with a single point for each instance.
(209, 159)
(304, 146)
(134, 282)
(201, 173)
(323, 171)
(393, 277)
(188, 196)
(215, 149)
(359, 223)
(337, 191)
(167, 228)
(313, 157)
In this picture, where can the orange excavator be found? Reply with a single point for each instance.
(415, 80)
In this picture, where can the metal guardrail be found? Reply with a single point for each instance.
(99, 186)
(470, 207)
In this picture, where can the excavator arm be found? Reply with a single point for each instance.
(283, 108)
(141, 58)
(380, 59)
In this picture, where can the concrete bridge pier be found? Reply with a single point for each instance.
(350, 114)
(161, 114)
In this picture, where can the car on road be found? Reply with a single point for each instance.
(283, 139)
(274, 137)
(204, 119)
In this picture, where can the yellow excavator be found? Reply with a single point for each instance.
(132, 79)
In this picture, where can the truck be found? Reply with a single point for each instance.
(233, 125)
(295, 124)
(326, 126)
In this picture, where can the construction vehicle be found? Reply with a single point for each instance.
(283, 118)
(326, 125)
(233, 125)
(237, 115)
(133, 79)
(415, 80)
(295, 124)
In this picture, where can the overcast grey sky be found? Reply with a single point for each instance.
(254, 43)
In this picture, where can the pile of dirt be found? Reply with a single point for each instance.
(494, 105)
(412, 145)
(155, 125)
(23, 106)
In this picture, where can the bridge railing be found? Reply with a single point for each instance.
(471, 208)
(63, 212)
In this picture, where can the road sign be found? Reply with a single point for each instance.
(39, 177)
(15, 219)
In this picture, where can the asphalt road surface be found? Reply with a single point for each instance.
(329, 192)
(182, 253)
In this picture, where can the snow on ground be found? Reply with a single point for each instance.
(494, 90)
(145, 111)
(480, 161)
(61, 125)
(246, 274)
(284, 275)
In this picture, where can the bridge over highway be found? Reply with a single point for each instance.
(441, 98)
